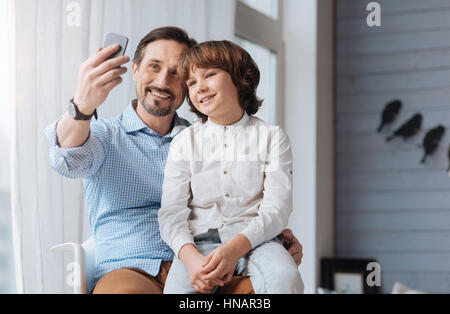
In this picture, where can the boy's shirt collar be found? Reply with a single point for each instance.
(243, 122)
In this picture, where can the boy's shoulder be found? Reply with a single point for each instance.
(272, 128)
(252, 120)
(255, 121)
(187, 133)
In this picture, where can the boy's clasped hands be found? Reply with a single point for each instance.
(216, 269)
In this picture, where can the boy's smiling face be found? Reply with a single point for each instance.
(214, 94)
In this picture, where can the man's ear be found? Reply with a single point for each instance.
(134, 70)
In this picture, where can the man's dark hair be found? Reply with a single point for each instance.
(169, 33)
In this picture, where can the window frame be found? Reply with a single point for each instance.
(260, 29)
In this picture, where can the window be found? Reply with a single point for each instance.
(258, 30)
(267, 89)
(267, 7)
(6, 261)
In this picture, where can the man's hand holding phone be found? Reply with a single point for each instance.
(98, 76)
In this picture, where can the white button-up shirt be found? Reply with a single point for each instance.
(237, 179)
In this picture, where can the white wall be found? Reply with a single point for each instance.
(308, 115)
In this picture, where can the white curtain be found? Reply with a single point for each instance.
(49, 43)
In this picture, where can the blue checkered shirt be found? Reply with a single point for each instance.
(122, 165)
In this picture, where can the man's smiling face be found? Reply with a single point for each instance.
(159, 89)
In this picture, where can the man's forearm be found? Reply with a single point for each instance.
(72, 133)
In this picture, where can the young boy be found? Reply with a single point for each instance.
(227, 189)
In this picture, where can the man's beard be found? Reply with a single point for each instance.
(156, 111)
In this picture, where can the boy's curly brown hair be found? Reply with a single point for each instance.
(228, 57)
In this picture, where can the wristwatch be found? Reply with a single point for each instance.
(75, 113)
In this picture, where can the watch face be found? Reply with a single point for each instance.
(72, 111)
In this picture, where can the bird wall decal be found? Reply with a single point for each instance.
(409, 128)
(431, 141)
(390, 112)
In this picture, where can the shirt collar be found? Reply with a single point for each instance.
(243, 122)
(178, 126)
(132, 122)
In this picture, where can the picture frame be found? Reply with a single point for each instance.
(347, 276)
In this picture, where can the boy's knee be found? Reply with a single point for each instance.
(295, 281)
(289, 281)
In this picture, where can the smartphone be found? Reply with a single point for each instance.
(112, 39)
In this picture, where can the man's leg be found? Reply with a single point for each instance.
(132, 281)
(238, 285)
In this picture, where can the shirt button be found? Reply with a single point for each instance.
(226, 145)
(225, 172)
(227, 195)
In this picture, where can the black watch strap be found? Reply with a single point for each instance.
(76, 114)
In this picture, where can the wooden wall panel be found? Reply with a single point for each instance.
(389, 206)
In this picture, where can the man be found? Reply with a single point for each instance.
(122, 161)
